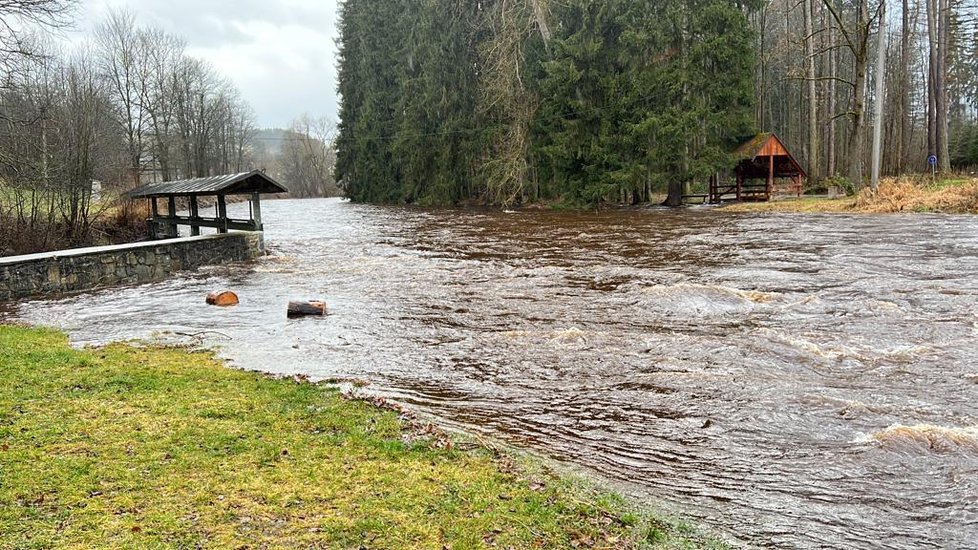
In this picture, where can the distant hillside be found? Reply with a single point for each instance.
(270, 140)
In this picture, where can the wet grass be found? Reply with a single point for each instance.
(953, 195)
(147, 447)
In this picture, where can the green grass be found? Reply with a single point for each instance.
(146, 447)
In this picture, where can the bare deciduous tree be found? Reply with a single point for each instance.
(165, 53)
(17, 15)
(308, 157)
(123, 62)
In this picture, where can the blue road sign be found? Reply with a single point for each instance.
(932, 160)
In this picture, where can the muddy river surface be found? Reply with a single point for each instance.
(793, 381)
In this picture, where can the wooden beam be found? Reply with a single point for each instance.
(237, 225)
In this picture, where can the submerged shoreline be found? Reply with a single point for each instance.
(127, 445)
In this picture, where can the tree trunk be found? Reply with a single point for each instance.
(857, 41)
(306, 309)
(222, 298)
(857, 139)
(941, 99)
(904, 124)
(675, 197)
(763, 122)
(813, 137)
(932, 111)
(879, 97)
(833, 72)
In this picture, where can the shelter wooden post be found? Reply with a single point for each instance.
(740, 185)
(171, 226)
(194, 215)
(256, 209)
(770, 176)
(152, 222)
(222, 213)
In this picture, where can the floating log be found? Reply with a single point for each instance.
(307, 309)
(222, 298)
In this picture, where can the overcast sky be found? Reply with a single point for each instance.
(280, 53)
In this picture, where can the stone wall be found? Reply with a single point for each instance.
(90, 268)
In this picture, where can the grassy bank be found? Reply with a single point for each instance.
(958, 195)
(149, 447)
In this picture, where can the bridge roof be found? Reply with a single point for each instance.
(244, 183)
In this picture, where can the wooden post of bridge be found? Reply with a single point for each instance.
(171, 226)
(153, 226)
(222, 213)
(194, 215)
(256, 209)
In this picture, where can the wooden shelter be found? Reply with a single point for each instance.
(252, 184)
(761, 161)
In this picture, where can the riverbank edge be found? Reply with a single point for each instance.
(69, 432)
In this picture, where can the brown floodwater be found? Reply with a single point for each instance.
(791, 381)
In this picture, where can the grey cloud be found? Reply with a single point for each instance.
(278, 74)
(213, 22)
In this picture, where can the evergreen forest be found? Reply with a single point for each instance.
(583, 102)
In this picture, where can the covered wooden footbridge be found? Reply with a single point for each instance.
(762, 162)
(251, 184)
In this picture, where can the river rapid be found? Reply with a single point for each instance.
(792, 381)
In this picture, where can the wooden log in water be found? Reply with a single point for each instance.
(313, 308)
(222, 298)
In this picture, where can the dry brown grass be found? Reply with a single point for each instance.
(906, 194)
(124, 222)
(955, 195)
